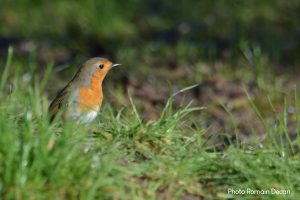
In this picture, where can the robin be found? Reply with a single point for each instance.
(82, 97)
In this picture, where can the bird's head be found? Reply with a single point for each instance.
(99, 66)
(95, 68)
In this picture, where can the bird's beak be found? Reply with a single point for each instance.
(115, 65)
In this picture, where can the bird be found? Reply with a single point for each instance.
(82, 97)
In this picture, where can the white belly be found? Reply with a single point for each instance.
(85, 117)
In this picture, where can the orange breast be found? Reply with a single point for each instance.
(90, 98)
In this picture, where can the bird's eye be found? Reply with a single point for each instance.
(101, 66)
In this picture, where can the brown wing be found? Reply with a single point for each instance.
(59, 102)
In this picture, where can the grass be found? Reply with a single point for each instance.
(122, 157)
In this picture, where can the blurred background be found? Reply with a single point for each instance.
(237, 51)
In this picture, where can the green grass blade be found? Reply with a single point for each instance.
(5, 71)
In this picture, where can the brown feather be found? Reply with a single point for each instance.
(59, 102)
